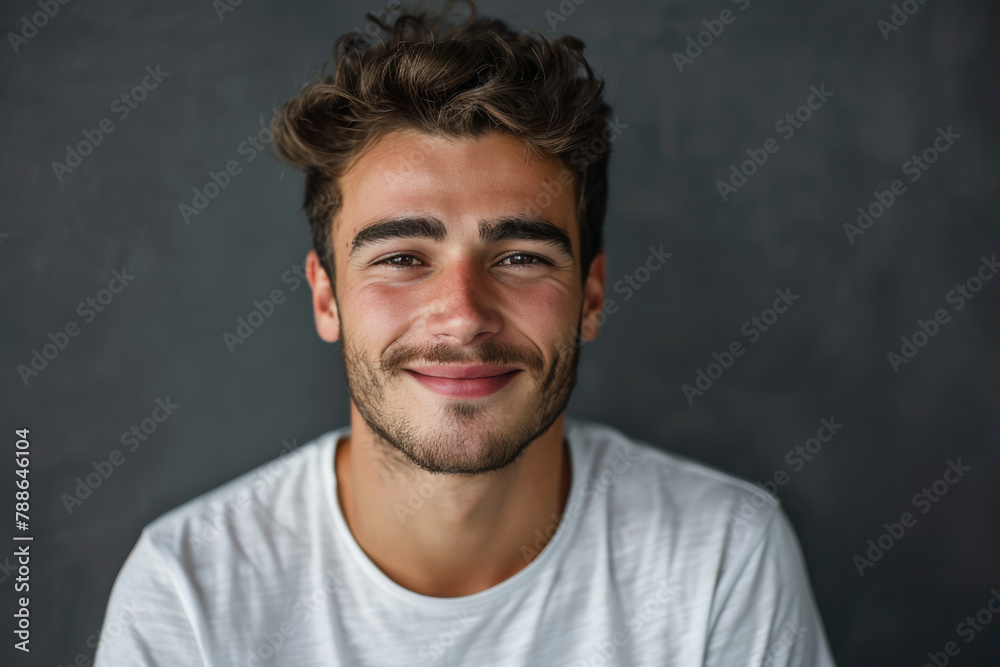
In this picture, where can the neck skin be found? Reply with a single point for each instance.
(468, 534)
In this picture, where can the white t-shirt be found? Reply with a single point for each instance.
(656, 561)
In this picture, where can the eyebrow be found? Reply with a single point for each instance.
(490, 231)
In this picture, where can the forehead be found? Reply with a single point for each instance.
(456, 179)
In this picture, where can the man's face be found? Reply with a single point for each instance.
(458, 304)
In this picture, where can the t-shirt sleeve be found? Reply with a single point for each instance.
(764, 603)
(147, 621)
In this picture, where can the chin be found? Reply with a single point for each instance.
(463, 437)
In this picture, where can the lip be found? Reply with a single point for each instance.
(456, 381)
(462, 371)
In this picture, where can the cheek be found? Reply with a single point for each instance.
(546, 313)
(377, 312)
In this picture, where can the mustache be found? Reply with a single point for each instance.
(493, 353)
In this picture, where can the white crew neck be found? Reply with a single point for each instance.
(371, 571)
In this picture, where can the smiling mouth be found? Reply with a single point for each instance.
(463, 382)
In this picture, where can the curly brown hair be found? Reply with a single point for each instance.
(453, 79)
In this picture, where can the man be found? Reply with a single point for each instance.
(456, 180)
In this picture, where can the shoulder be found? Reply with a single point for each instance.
(199, 565)
(722, 546)
(650, 470)
(278, 495)
(641, 478)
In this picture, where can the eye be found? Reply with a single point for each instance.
(401, 261)
(522, 259)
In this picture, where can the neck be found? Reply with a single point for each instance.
(450, 535)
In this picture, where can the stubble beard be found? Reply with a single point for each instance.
(469, 438)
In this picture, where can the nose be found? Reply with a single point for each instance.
(461, 308)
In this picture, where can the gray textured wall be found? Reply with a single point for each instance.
(63, 236)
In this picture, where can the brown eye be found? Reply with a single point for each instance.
(521, 259)
(400, 260)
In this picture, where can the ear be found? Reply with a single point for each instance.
(324, 305)
(593, 299)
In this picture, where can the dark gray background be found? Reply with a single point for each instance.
(162, 336)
